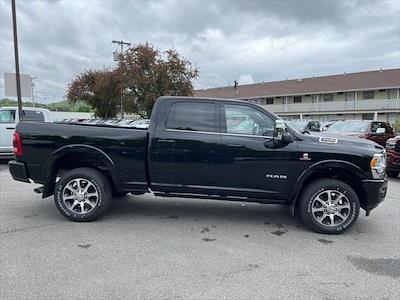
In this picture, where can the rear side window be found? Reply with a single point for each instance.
(33, 115)
(7, 116)
(191, 116)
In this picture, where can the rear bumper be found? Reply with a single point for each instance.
(18, 171)
(374, 192)
(6, 154)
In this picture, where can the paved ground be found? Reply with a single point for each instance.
(152, 248)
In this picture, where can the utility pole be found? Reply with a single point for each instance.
(33, 95)
(122, 43)
(17, 77)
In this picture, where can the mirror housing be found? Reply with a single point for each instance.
(279, 129)
(287, 138)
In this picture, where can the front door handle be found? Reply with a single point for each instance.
(236, 145)
(11, 128)
(166, 141)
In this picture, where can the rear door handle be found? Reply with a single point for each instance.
(166, 141)
(10, 128)
(236, 145)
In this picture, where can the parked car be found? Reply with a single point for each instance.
(192, 149)
(305, 126)
(393, 156)
(376, 131)
(143, 123)
(124, 122)
(9, 118)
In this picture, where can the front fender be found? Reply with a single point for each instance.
(50, 168)
(323, 166)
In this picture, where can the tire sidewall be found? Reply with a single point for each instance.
(354, 208)
(93, 178)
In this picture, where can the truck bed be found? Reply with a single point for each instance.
(124, 148)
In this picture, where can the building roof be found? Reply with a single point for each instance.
(381, 79)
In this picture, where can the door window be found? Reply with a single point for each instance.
(7, 116)
(247, 120)
(33, 115)
(192, 116)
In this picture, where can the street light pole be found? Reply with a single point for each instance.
(17, 76)
(122, 43)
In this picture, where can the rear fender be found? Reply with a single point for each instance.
(51, 167)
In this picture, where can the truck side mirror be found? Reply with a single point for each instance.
(279, 129)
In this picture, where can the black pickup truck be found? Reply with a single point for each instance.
(203, 148)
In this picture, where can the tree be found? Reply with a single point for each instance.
(100, 89)
(148, 74)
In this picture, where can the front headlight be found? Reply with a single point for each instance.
(378, 165)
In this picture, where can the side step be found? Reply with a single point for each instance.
(39, 190)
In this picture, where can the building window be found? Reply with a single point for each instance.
(297, 99)
(368, 95)
(270, 100)
(328, 97)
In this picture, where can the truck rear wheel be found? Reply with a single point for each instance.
(329, 206)
(82, 194)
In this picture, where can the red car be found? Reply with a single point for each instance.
(393, 156)
(376, 131)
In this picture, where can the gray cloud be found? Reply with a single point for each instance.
(227, 40)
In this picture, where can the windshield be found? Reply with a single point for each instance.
(348, 127)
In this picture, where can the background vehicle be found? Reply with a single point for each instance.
(326, 125)
(194, 148)
(393, 156)
(305, 126)
(8, 120)
(376, 131)
(143, 123)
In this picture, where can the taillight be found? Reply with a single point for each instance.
(17, 144)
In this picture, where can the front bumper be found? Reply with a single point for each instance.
(374, 192)
(18, 171)
(393, 161)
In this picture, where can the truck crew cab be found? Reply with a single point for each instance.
(203, 148)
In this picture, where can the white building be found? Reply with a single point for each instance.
(372, 95)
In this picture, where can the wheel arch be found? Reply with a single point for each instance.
(337, 169)
(78, 155)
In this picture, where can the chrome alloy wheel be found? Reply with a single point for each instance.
(330, 208)
(80, 195)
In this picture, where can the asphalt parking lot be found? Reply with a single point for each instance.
(151, 248)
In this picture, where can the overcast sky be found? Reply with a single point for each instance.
(249, 41)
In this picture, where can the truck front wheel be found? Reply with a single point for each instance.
(329, 206)
(82, 194)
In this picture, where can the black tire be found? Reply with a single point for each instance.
(93, 206)
(393, 174)
(348, 205)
